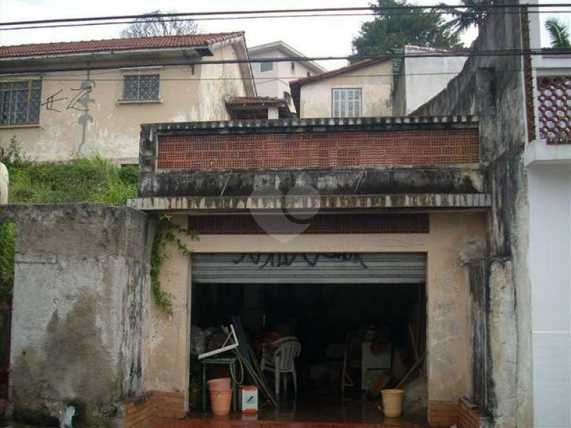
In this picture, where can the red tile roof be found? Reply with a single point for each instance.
(90, 46)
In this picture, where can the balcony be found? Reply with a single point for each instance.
(381, 163)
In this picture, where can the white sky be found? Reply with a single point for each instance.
(312, 36)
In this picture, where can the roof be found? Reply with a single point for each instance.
(256, 107)
(124, 44)
(283, 47)
(297, 84)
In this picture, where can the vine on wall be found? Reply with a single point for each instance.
(166, 232)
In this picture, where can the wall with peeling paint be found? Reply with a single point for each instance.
(111, 128)
(80, 302)
(453, 237)
(486, 89)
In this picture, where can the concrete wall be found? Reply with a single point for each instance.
(550, 273)
(4, 182)
(420, 79)
(376, 82)
(486, 89)
(452, 236)
(110, 128)
(80, 304)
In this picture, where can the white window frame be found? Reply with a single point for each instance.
(346, 102)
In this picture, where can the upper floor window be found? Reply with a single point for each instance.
(266, 66)
(292, 66)
(141, 87)
(20, 102)
(346, 102)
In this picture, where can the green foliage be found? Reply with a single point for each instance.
(82, 180)
(403, 27)
(7, 253)
(166, 232)
(474, 15)
(558, 32)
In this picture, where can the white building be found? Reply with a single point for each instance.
(272, 78)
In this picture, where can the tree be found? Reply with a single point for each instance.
(474, 15)
(558, 32)
(398, 28)
(151, 26)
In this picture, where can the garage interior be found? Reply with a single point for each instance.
(360, 320)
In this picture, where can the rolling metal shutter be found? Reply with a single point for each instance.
(309, 268)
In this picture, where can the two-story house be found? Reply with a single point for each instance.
(61, 100)
(273, 78)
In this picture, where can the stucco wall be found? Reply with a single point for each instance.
(486, 89)
(448, 334)
(376, 82)
(111, 129)
(80, 302)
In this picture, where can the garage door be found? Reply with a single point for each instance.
(309, 268)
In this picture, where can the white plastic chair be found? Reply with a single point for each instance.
(280, 359)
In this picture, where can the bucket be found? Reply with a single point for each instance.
(392, 402)
(220, 402)
(220, 384)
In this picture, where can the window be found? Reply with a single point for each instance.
(293, 66)
(346, 102)
(141, 87)
(20, 102)
(266, 66)
(308, 74)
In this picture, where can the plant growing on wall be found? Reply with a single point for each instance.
(7, 254)
(166, 232)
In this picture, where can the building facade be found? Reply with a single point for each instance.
(63, 100)
(272, 78)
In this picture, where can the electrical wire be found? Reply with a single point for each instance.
(246, 18)
(437, 8)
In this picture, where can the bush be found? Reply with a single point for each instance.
(82, 180)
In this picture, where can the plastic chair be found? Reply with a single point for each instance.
(280, 359)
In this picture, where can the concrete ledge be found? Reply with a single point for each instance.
(426, 200)
(540, 153)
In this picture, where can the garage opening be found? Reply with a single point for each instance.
(358, 321)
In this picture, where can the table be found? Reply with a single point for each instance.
(230, 362)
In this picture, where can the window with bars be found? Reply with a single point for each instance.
(20, 102)
(346, 102)
(141, 87)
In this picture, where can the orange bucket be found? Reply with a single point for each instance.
(220, 402)
(220, 384)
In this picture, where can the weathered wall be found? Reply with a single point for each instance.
(492, 87)
(4, 181)
(452, 236)
(110, 128)
(376, 82)
(79, 309)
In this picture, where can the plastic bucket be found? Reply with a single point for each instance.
(220, 384)
(392, 402)
(220, 402)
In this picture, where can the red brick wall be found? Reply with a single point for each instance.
(318, 150)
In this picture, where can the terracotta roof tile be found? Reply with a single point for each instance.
(89, 46)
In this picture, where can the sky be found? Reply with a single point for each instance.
(311, 36)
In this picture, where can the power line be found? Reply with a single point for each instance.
(448, 54)
(245, 18)
(373, 9)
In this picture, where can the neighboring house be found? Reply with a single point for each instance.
(419, 79)
(258, 108)
(362, 89)
(272, 78)
(61, 100)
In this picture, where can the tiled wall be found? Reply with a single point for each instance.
(318, 150)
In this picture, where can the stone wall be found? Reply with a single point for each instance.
(493, 88)
(80, 303)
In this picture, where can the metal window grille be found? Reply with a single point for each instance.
(141, 87)
(346, 102)
(20, 102)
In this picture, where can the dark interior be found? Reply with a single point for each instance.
(331, 322)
